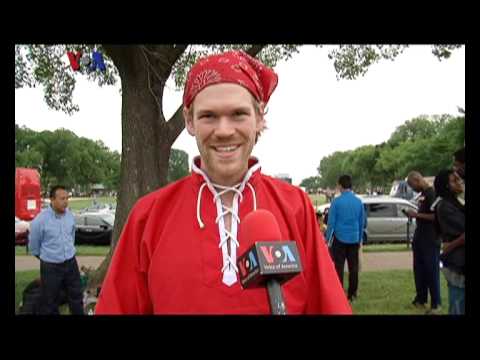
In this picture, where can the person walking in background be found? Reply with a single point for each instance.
(346, 223)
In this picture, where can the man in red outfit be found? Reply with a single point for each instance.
(178, 250)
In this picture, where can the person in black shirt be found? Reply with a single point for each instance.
(450, 219)
(426, 246)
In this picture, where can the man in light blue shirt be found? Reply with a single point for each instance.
(346, 223)
(51, 240)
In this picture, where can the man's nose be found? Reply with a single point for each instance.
(224, 128)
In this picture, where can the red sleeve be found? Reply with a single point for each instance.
(325, 293)
(124, 289)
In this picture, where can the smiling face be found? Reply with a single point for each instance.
(225, 125)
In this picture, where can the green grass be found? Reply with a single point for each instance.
(102, 250)
(385, 248)
(82, 250)
(22, 278)
(390, 293)
(318, 199)
(379, 292)
(76, 205)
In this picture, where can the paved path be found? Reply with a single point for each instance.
(370, 262)
(32, 263)
(376, 261)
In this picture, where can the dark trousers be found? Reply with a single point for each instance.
(426, 270)
(341, 251)
(58, 277)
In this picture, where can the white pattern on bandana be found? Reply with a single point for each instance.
(205, 77)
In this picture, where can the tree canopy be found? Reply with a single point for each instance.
(425, 144)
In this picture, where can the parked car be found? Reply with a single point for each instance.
(385, 220)
(401, 189)
(22, 229)
(94, 228)
(45, 203)
(100, 208)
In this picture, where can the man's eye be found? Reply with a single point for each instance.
(206, 116)
(240, 113)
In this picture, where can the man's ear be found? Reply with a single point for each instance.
(188, 117)
(260, 124)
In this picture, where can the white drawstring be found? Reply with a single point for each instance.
(254, 197)
(229, 268)
(202, 225)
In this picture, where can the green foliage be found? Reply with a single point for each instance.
(352, 61)
(425, 144)
(48, 65)
(331, 167)
(311, 184)
(62, 157)
(177, 165)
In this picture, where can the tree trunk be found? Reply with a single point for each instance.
(145, 146)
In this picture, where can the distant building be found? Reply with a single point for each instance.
(97, 190)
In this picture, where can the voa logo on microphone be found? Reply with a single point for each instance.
(278, 254)
(248, 264)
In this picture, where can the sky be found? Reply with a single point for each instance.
(311, 114)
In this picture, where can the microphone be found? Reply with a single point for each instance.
(269, 261)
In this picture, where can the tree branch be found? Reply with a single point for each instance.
(165, 57)
(118, 54)
(176, 124)
(162, 82)
(254, 50)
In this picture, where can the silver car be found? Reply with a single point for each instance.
(385, 220)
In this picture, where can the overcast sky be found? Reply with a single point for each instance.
(310, 114)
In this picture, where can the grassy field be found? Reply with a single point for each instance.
(22, 278)
(390, 293)
(101, 250)
(386, 248)
(318, 199)
(379, 292)
(79, 204)
(82, 250)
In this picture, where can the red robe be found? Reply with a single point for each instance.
(165, 263)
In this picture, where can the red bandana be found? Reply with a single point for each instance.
(230, 67)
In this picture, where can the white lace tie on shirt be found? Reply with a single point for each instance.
(229, 268)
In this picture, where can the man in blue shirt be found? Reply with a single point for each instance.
(51, 240)
(346, 223)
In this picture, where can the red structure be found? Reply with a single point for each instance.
(28, 201)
